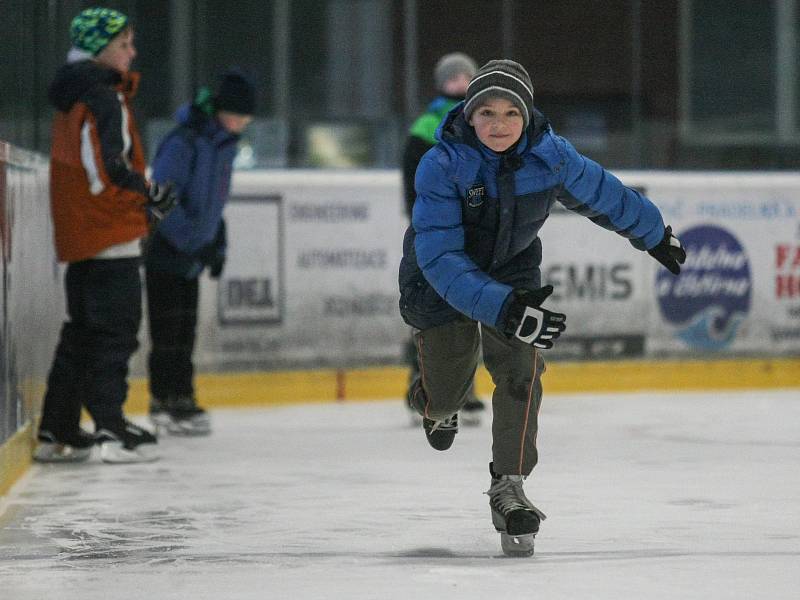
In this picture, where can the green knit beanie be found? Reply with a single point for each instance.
(94, 28)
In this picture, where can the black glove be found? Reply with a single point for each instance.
(669, 252)
(529, 322)
(161, 199)
(213, 255)
(216, 265)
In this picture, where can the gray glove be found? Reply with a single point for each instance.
(161, 199)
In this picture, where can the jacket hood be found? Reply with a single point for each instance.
(73, 80)
(454, 129)
(191, 115)
(186, 114)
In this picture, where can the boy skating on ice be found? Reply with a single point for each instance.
(470, 271)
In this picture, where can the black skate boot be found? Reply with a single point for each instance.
(63, 447)
(440, 434)
(121, 441)
(513, 515)
(180, 416)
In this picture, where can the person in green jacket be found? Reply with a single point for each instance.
(451, 75)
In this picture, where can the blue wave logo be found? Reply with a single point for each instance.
(708, 302)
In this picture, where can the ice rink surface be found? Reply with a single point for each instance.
(648, 496)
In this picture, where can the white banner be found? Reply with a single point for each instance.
(738, 292)
(311, 278)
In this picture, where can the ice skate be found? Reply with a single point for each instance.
(440, 434)
(179, 416)
(123, 442)
(472, 412)
(513, 515)
(75, 447)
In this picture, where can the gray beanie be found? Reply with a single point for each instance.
(452, 65)
(504, 79)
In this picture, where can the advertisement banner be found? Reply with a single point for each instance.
(599, 282)
(311, 277)
(734, 296)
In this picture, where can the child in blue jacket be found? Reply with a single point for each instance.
(197, 156)
(470, 271)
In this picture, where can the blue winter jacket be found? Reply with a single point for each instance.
(474, 230)
(197, 156)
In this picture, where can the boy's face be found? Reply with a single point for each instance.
(233, 122)
(498, 123)
(119, 53)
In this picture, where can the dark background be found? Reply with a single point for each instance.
(673, 84)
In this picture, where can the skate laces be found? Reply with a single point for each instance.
(448, 424)
(507, 495)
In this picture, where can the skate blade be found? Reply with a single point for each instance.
(188, 428)
(517, 546)
(115, 453)
(60, 453)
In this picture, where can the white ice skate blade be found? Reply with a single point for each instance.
(517, 546)
(60, 453)
(116, 453)
(197, 426)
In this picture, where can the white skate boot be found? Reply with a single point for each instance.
(73, 447)
(179, 416)
(513, 515)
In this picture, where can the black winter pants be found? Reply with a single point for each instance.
(90, 367)
(172, 312)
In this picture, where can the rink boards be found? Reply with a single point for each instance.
(312, 276)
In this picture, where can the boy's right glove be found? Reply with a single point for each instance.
(529, 322)
(161, 199)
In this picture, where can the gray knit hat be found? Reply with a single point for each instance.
(452, 65)
(504, 79)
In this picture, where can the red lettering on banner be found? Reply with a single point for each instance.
(784, 253)
(787, 286)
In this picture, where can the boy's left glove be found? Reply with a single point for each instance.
(529, 322)
(669, 252)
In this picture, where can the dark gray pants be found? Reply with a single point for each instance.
(448, 358)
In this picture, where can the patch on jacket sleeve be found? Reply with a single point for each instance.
(476, 194)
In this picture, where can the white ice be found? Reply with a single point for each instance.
(656, 496)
